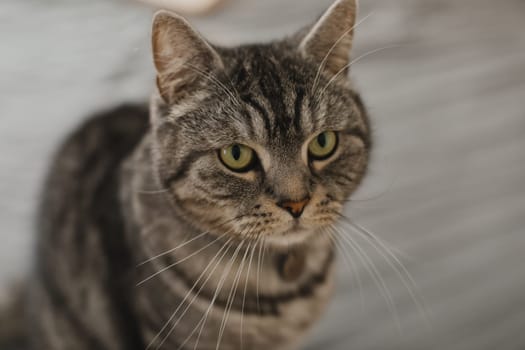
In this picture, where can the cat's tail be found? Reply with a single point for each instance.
(12, 317)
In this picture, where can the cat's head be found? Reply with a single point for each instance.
(259, 140)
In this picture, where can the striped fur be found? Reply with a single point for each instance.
(148, 241)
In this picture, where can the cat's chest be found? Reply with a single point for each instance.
(243, 300)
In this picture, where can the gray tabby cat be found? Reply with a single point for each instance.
(205, 222)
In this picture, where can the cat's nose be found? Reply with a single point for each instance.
(295, 208)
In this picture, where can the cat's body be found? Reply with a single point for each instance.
(154, 234)
(84, 294)
(78, 296)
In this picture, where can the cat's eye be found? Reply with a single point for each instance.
(323, 145)
(237, 157)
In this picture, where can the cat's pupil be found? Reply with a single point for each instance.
(321, 139)
(236, 152)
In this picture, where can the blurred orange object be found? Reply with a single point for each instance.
(188, 7)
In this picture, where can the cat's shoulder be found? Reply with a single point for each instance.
(111, 133)
(91, 154)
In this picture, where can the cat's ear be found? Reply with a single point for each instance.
(182, 57)
(329, 41)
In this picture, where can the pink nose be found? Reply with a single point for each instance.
(295, 208)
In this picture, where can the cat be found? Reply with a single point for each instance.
(204, 220)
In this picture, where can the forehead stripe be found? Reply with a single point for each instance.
(249, 100)
(298, 108)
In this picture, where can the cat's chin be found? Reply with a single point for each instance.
(294, 236)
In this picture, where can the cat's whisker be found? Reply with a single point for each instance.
(325, 58)
(396, 265)
(374, 273)
(371, 237)
(259, 264)
(365, 232)
(181, 245)
(200, 326)
(231, 297)
(203, 319)
(182, 260)
(359, 58)
(223, 276)
(233, 292)
(174, 249)
(218, 289)
(393, 261)
(226, 245)
(265, 249)
(258, 241)
(350, 263)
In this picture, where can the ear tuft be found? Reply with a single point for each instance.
(329, 41)
(182, 57)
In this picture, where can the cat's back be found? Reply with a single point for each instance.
(81, 253)
(87, 159)
(91, 154)
(103, 135)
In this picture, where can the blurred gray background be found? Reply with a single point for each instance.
(447, 184)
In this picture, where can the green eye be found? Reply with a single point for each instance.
(237, 157)
(323, 145)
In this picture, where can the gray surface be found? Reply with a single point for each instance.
(448, 173)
